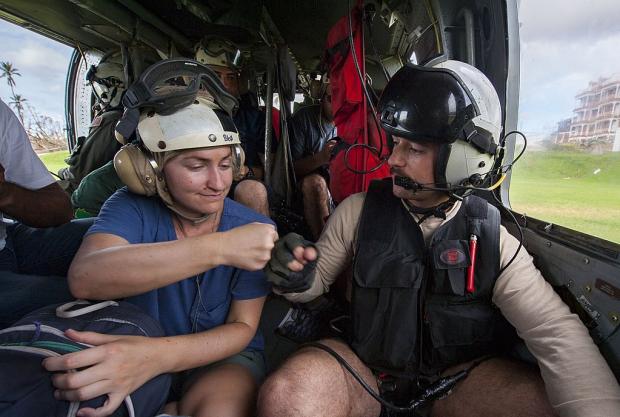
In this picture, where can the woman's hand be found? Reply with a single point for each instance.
(115, 366)
(249, 246)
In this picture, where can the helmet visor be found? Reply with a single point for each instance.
(426, 104)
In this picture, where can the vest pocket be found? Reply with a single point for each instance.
(450, 260)
(385, 314)
(458, 332)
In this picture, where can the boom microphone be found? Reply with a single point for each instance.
(407, 183)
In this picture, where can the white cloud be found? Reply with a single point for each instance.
(561, 53)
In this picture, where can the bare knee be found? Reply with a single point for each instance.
(313, 184)
(275, 395)
(252, 194)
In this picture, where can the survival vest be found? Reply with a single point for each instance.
(410, 312)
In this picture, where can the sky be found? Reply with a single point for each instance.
(42, 64)
(564, 45)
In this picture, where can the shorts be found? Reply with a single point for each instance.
(252, 360)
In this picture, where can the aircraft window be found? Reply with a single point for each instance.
(569, 109)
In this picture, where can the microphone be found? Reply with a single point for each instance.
(407, 183)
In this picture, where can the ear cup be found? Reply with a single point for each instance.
(135, 170)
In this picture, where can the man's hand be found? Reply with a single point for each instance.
(291, 268)
(249, 246)
(115, 366)
(325, 154)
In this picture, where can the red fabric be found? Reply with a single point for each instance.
(349, 109)
(275, 123)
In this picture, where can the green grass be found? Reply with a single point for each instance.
(54, 160)
(555, 186)
(561, 187)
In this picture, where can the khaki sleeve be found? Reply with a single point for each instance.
(577, 378)
(336, 248)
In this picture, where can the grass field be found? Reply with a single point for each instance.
(54, 160)
(556, 186)
(577, 190)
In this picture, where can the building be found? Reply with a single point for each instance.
(595, 118)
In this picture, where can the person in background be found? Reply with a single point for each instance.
(250, 123)
(312, 129)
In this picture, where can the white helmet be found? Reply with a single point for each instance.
(452, 104)
(199, 125)
(218, 52)
(107, 79)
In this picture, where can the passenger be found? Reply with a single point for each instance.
(99, 147)
(250, 123)
(185, 258)
(311, 149)
(409, 327)
(94, 190)
(35, 249)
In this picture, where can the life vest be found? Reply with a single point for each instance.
(409, 308)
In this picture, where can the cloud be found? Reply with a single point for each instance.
(561, 53)
(43, 65)
(566, 20)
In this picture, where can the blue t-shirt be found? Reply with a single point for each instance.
(196, 303)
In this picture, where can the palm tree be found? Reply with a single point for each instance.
(9, 71)
(18, 102)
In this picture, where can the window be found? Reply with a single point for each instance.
(570, 179)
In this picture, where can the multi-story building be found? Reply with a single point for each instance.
(596, 116)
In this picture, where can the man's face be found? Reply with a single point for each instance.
(229, 78)
(415, 160)
(200, 179)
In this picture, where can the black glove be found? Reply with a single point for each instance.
(283, 279)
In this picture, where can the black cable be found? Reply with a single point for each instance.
(355, 375)
(436, 390)
(372, 149)
(499, 202)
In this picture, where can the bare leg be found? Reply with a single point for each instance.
(226, 391)
(496, 388)
(316, 202)
(311, 383)
(253, 194)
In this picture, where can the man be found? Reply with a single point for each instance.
(311, 150)
(251, 125)
(37, 247)
(107, 80)
(434, 280)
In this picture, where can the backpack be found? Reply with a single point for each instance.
(25, 386)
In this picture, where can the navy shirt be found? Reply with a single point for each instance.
(199, 302)
(310, 132)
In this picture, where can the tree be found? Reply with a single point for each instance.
(18, 102)
(9, 71)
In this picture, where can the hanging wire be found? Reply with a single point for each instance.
(370, 148)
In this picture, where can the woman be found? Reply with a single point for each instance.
(185, 256)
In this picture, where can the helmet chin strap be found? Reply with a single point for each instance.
(438, 211)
